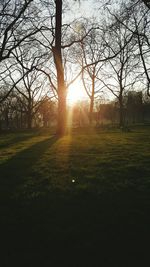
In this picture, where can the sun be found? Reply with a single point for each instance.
(75, 93)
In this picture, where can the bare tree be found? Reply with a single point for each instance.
(92, 50)
(143, 39)
(31, 88)
(147, 3)
(138, 17)
(19, 24)
(119, 74)
(62, 36)
(12, 17)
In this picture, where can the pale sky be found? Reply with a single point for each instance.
(86, 8)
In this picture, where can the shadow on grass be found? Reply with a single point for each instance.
(73, 229)
(17, 170)
(12, 139)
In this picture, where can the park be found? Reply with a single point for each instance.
(74, 133)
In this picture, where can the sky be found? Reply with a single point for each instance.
(76, 9)
(86, 8)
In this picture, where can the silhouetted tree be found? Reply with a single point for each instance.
(118, 75)
(18, 26)
(92, 50)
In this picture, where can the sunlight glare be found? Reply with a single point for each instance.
(75, 93)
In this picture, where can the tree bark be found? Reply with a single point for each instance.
(121, 115)
(29, 120)
(29, 114)
(61, 86)
(92, 98)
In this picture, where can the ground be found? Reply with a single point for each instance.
(81, 200)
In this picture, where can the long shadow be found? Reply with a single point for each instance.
(18, 212)
(15, 138)
(17, 169)
(73, 229)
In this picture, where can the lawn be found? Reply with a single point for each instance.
(81, 200)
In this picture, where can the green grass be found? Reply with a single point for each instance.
(100, 220)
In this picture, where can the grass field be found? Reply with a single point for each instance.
(82, 200)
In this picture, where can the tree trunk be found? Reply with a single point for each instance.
(61, 86)
(121, 117)
(7, 119)
(91, 109)
(29, 114)
(21, 119)
(29, 120)
(92, 99)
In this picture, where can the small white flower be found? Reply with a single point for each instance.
(73, 181)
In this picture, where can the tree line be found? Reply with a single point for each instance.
(44, 49)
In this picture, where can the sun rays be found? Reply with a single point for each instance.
(75, 93)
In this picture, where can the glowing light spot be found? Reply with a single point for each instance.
(75, 93)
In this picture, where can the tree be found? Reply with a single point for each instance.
(92, 50)
(138, 18)
(143, 39)
(118, 74)
(62, 37)
(13, 17)
(47, 111)
(61, 86)
(147, 3)
(31, 87)
(19, 24)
